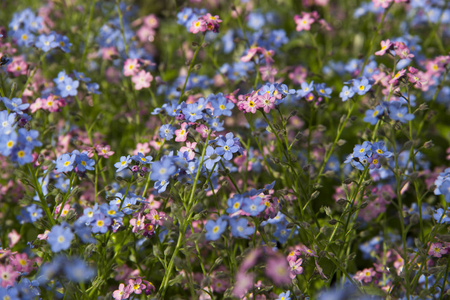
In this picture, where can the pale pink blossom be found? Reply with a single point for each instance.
(385, 46)
(181, 134)
(198, 26)
(142, 147)
(142, 80)
(304, 22)
(131, 67)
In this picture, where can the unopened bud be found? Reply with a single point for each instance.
(428, 144)
(332, 222)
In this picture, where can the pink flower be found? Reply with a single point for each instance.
(130, 67)
(250, 53)
(149, 287)
(142, 80)
(267, 102)
(122, 293)
(251, 105)
(292, 256)
(382, 3)
(304, 22)
(137, 223)
(64, 211)
(141, 147)
(397, 77)
(296, 267)
(13, 238)
(22, 263)
(437, 250)
(190, 147)
(43, 236)
(104, 151)
(203, 130)
(197, 26)
(268, 73)
(151, 21)
(181, 134)
(402, 51)
(278, 270)
(136, 286)
(146, 34)
(38, 104)
(244, 282)
(17, 67)
(365, 275)
(155, 217)
(385, 46)
(8, 275)
(108, 53)
(123, 272)
(52, 103)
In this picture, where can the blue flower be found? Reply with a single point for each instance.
(15, 104)
(323, 90)
(60, 238)
(45, 42)
(192, 113)
(35, 212)
(346, 93)
(84, 162)
(65, 163)
(7, 122)
(161, 186)
(123, 163)
(100, 223)
(441, 217)
(253, 206)
(77, 270)
(216, 124)
(363, 150)
(282, 233)
(62, 42)
(142, 159)
(211, 158)
(373, 115)
(162, 170)
(284, 296)
(84, 233)
(240, 228)
(226, 148)
(380, 149)
(68, 87)
(22, 155)
(361, 86)
(93, 88)
(166, 131)
(80, 76)
(215, 229)
(444, 188)
(111, 211)
(222, 107)
(278, 37)
(7, 143)
(28, 138)
(234, 204)
(399, 113)
(60, 78)
(306, 89)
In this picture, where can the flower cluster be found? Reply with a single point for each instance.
(205, 23)
(368, 155)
